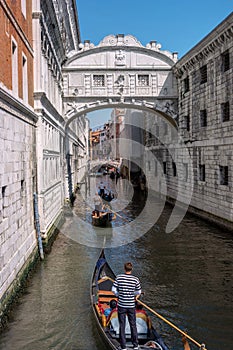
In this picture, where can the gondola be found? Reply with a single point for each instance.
(101, 296)
(108, 197)
(103, 219)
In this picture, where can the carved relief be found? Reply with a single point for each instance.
(120, 58)
(167, 107)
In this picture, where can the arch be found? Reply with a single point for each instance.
(163, 110)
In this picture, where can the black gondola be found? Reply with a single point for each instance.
(101, 296)
(102, 219)
(108, 196)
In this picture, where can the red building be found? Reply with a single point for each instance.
(16, 54)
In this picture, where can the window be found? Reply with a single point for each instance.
(165, 168)
(165, 128)
(25, 79)
(225, 111)
(203, 118)
(185, 172)
(225, 61)
(201, 172)
(156, 168)
(148, 164)
(143, 80)
(22, 191)
(3, 201)
(187, 122)
(223, 175)
(23, 7)
(14, 52)
(98, 80)
(203, 73)
(174, 169)
(186, 84)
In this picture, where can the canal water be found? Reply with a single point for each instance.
(186, 276)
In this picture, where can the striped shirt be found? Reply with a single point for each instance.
(126, 286)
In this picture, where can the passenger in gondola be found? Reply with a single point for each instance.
(98, 205)
(108, 196)
(152, 344)
(112, 307)
(101, 189)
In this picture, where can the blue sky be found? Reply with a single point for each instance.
(176, 25)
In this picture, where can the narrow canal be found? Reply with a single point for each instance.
(186, 276)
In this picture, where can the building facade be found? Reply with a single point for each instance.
(206, 119)
(18, 244)
(55, 33)
(195, 163)
(36, 37)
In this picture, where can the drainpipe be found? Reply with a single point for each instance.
(37, 224)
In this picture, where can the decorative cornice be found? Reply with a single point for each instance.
(123, 41)
(206, 47)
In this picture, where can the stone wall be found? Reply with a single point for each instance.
(18, 241)
(205, 98)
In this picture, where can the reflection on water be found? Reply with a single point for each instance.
(186, 276)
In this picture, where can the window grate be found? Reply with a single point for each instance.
(98, 80)
(223, 175)
(225, 111)
(143, 80)
(203, 118)
(186, 84)
(225, 61)
(202, 172)
(203, 73)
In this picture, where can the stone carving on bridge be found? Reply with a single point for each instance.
(121, 83)
(168, 107)
(120, 58)
(120, 40)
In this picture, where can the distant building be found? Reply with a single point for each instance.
(100, 146)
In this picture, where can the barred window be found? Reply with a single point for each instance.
(225, 111)
(186, 84)
(203, 73)
(225, 61)
(185, 172)
(98, 80)
(187, 122)
(203, 118)
(165, 168)
(223, 175)
(174, 168)
(156, 168)
(143, 80)
(202, 172)
(148, 165)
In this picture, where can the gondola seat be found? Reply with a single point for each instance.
(142, 325)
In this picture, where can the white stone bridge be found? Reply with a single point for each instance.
(120, 72)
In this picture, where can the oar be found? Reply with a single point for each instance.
(116, 213)
(201, 346)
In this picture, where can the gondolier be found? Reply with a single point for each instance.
(126, 287)
(102, 297)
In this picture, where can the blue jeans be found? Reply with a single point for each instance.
(130, 312)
